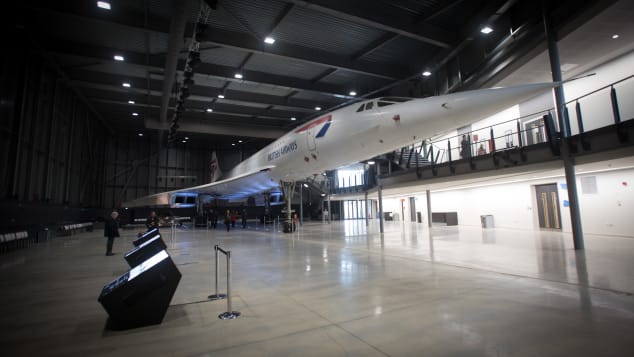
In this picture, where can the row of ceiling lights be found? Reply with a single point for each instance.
(269, 40)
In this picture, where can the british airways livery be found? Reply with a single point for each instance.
(351, 134)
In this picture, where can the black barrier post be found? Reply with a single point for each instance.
(229, 314)
(217, 296)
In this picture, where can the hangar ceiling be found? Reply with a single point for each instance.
(326, 54)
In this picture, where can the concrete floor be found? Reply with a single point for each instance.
(336, 290)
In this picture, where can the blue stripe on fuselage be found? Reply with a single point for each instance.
(323, 130)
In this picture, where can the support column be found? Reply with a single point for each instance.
(367, 219)
(564, 128)
(428, 195)
(380, 190)
(301, 204)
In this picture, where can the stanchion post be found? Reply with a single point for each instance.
(229, 314)
(217, 296)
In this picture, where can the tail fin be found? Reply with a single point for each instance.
(215, 172)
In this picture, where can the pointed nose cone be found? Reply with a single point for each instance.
(485, 102)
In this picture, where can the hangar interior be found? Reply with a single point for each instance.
(477, 254)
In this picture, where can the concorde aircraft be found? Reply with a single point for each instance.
(351, 134)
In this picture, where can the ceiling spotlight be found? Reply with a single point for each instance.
(238, 75)
(135, 114)
(118, 58)
(140, 134)
(353, 93)
(486, 30)
(209, 110)
(187, 138)
(615, 36)
(103, 5)
(269, 40)
(427, 73)
(184, 141)
(233, 144)
(293, 119)
(130, 102)
(370, 162)
(305, 185)
(240, 141)
(317, 108)
(126, 84)
(221, 96)
(323, 195)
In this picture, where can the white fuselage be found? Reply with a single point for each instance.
(351, 135)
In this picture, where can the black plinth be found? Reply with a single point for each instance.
(141, 296)
(146, 236)
(145, 251)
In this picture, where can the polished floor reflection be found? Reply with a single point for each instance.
(336, 290)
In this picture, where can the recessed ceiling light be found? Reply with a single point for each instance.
(221, 96)
(293, 118)
(305, 185)
(233, 144)
(323, 194)
(353, 93)
(486, 30)
(209, 110)
(130, 102)
(270, 40)
(126, 84)
(183, 141)
(427, 73)
(615, 36)
(317, 108)
(135, 114)
(238, 75)
(140, 134)
(370, 162)
(103, 5)
(239, 141)
(119, 58)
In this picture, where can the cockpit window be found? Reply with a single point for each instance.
(369, 105)
(395, 99)
(360, 108)
(384, 104)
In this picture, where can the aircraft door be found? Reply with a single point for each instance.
(311, 144)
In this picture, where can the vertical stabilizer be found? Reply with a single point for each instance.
(215, 172)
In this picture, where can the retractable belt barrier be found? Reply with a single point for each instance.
(229, 314)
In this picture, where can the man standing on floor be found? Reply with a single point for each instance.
(111, 230)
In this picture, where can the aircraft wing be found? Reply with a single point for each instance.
(237, 187)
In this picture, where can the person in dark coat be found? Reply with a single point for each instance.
(111, 230)
(228, 220)
(152, 221)
(244, 218)
(465, 151)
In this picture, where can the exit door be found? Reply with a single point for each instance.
(548, 206)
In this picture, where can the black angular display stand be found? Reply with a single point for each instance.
(146, 236)
(144, 251)
(141, 296)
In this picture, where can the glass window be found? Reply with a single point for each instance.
(361, 108)
(369, 106)
(384, 104)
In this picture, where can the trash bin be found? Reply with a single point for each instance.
(487, 221)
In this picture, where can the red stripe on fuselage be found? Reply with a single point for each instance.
(314, 123)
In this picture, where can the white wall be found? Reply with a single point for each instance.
(514, 204)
